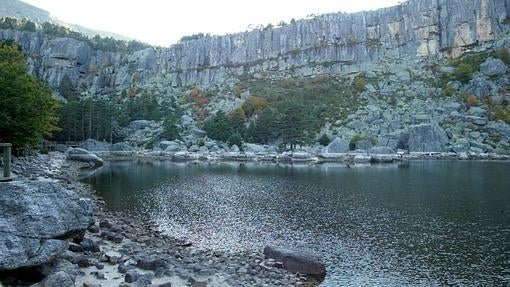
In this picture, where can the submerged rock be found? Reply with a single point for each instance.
(296, 261)
(36, 220)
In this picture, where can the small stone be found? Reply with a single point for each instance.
(82, 261)
(93, 229)
(99, 266)
(104, 224)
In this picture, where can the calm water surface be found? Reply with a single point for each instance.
(430, 223)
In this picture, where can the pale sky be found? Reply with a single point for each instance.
(164, 22)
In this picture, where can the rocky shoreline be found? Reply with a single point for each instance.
(118, 250)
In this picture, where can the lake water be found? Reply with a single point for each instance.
(426, 223)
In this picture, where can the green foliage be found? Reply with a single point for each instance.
(218, 127)
(464, 72)
(237, 118)
(254, 105)
(235, 139)
(170, 130)
(292, 123)
(27, 109)
(500, 113)
(324, 140)
(359, 84)
(67, 90)
(264, 129)
(503, 55)
(200, 142)
(448, 91)
(97, 42)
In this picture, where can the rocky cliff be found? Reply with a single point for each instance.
(331, 43)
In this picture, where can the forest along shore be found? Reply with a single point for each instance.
(118, 250)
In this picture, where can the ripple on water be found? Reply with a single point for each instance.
(432, 224)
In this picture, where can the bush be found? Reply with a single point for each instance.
(472, 101)
(504, 55)
(359, 84)
(464, 72)
(501, 114)
(235, 139)
(254, 106)
(324, 140)
(449, 91)
(200, 142)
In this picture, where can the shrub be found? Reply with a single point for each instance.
(472, 101)
(200, 142)
(449, 90)
(501, 114)
(504, 55)
(464, 72)
(235, 139)
(359, 84)
(254, 106)
(324, 140)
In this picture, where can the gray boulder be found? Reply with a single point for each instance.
(94, 145)
(500, 128)
(395, 140)
(141, 125)
(296, 261)
(255, 148)
(58, 279)
(479, 86)
(79, 154)
(121, 149)
(427, 138)
(234, 148)
(338, 145)
(36, 220)
(493, 67)
(381, 150)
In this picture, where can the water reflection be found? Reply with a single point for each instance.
(429, 223)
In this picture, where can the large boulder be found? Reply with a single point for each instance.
(121, 149)
(427, 138)
(493, 67)
(381, 150)
(79, 154)
(296, 261)
(338, 145)
(94, 145)
(36, 220)
(255, 148)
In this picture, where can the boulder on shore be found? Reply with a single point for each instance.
(296, 261)
(79, 154)
(338, 145)
(37, 219)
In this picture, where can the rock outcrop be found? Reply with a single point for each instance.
(36, 220)
(79, 154)
(330, 43)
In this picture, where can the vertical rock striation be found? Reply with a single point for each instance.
(330, 43)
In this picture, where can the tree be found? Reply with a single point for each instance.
(27, 109)
(264, 129)
(292, 123)
(218, 127)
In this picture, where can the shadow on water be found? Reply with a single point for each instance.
(423, 223)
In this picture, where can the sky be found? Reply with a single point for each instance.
(164, 22)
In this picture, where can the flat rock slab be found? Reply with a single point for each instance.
(36, 219)
(296, 261)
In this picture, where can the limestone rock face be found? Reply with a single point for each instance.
(37, 218)
(330, 43)
(427, 138)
